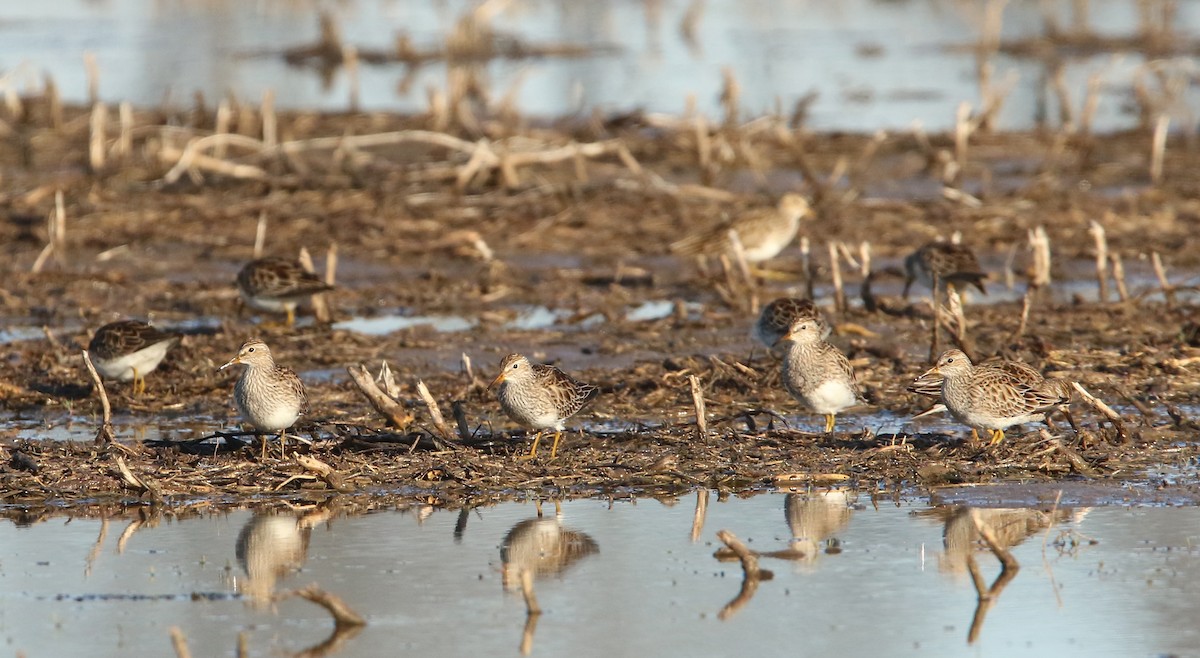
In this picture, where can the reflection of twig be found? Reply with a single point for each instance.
(1008, 571)
(1046, 538)
(343, 616)
(95, 552)
(701, 513)
(752, 574)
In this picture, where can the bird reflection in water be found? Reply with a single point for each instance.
(813, 519)
(967, 531)
(535, 548)
(271, 547)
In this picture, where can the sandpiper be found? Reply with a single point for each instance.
(776, 318)
(939, 263)
(129, 350)
(278, 285)
(269, 397)
(995, 395)
(817, 373)
(763, 233)
(539, 397)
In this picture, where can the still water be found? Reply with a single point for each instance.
(883, 580)
(872, 64)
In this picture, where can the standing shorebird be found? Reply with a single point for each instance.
(995, 395)
(539, 397)
(939, 263)
(278, 285)
(129, 350)
(929, 385)
(777, 317)
(817, 373)
(269, 397)
(763, 233)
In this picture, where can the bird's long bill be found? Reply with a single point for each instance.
(783, 339)
(931, 372)
(232, 362)
(496, 382)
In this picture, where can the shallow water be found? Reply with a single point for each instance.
(879, 581)
(873, 64)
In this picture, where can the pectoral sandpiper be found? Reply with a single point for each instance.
(816, 373)
(278, 285)
(763, 233)
(776, 318)
(939, 263)
(539, 397)
(995, 395)
(129, 350)
(269, 397)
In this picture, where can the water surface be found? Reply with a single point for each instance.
(881, 580)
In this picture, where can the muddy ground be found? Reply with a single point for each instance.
(429, 223)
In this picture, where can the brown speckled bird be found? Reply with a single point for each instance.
(776, 318)
(994, 395)
(129, 350)
(539, 397)
(939, 263)
(278, 285)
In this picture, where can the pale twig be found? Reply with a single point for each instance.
(435, 413)
(391, 410)
(701, 513)
(104, 435)
(698, 405)
(1161, 273)
(1101, 240)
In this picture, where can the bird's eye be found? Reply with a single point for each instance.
(516, 365)
(250, 350)
(950, 359)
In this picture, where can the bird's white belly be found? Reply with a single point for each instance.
(144, 361)
(830, 397)
(277, 418)
(270, 305)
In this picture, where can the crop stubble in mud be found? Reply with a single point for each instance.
(590, 237)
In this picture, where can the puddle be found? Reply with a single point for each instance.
(660, 308)
(379, 326)
(126, 427)
(629, 580)
(18, 334)
(536, 317)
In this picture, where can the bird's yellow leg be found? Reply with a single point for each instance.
(974, 435)
(262, 456)
(533, 451)
(830, 419)
(771, 275)
(554, 448)
(282, 442)
(997, 436)
(139, 383)
(291, 316)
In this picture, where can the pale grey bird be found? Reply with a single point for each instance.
(269, 397)
(816, 373)
(763, 232)
(129, 350)
(539, 397)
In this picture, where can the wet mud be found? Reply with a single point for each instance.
(553, 257)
